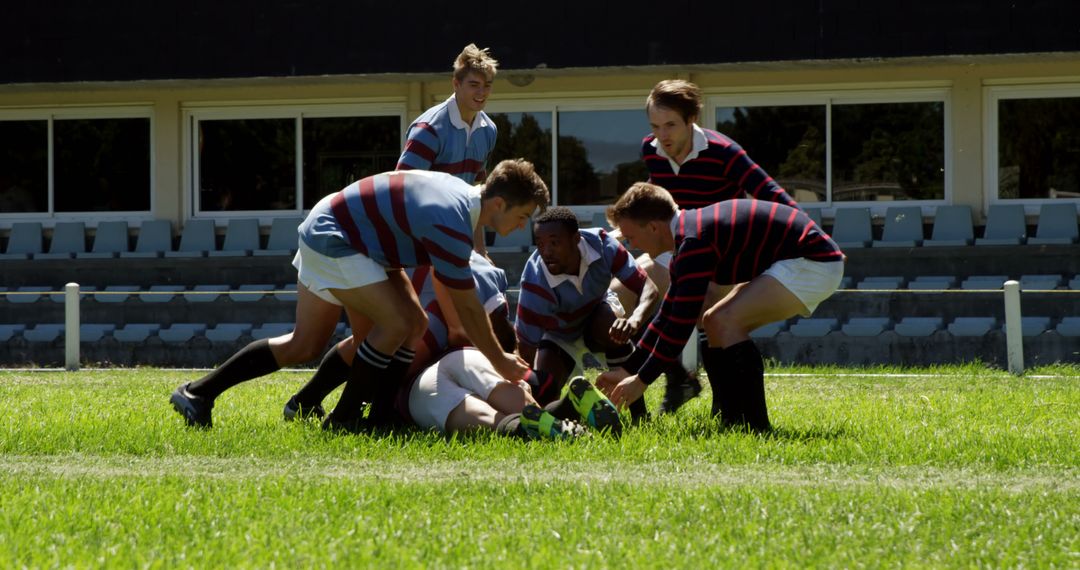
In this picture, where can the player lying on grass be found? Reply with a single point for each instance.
(455, 391)
(785, 265)
(353, 247)
(566, 310)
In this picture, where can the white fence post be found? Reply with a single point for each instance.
(1014, 335)
(71, 326)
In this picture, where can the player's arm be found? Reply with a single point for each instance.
(646, 307)
(455, 332)
(527, 351)
(478, 328)
(421, 148)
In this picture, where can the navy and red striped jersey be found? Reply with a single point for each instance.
(728, 242)
(720, 171)
(400, 219)
(439, 140)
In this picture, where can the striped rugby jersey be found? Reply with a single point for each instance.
(400, 219)
(491, 285)
(562, 310)
(439, 140)
(721, 170)
(728, 242)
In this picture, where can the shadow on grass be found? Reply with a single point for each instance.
(708, 428)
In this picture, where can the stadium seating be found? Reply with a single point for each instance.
(116, 293)
(1034, 326)
(241, 238)
(1069, 326)
(903, 227)
(1004, 226)
(283, 237)
(286, 294)
(1040, 282)
(181, 332)
(8, 331)
(69, 239)
(24, 242)
(251, 297)
(84, 293)
(227, 332)
(270, 330)
(881, 282)
(94, 332)
(196, 240)
(813, 327)
(918, 326)
(1057, 225)
(852, 228)
(952, 227)
(924, 282)
(1074, 283)
(136, 332)
(154, 239)
(47, 332)
(205, 293)
(769, 330)
(865, 326)
(599, 220)
(27, 295)
(984, 282)
(161, 293)
(972, 326)
(110, 240)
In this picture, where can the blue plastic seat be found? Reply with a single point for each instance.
(154, 239)
(9, 331)
(84, 293)
(110, 240)
(923, 282)
(251, 297)
(972, 326)
(205, 293)
(197, 239)
(286, 294)
(24, 241)
(813, 327)
(160, 293)
(116, 293)
(48, 332)
(852, 228)
(1034, 326)
(136, 332)
(918, 326)
(1069, 326)
(953, 226)
(241, 238)
(881, 282)
(984, 282)
(1005, 225)
(768, 331)
(69, 238)
(865, 326)
(283, 237)
(227, 332)
(903, 227)
(27, 294)
(94, 332)
(181, 332)
(1040, 282)
(1057, 225)
(271, 330)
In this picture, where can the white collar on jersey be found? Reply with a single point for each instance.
(588, 256)
(474, 206)
(699, 143)
(456, 120)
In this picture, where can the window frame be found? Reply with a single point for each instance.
(993, 94)
(861, 95)
(298, 111)
(52, 114)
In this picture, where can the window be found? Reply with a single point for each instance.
(98, 163)
(596, 154)
(285, 159)
(1035, 143)
(850, 148)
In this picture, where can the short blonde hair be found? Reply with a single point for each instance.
(475, 59)
(642, 202)
(516, 182)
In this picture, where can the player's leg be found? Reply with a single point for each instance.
(333, 371)
(552, 366)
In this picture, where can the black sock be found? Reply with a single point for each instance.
(368, 371)
(253, 361)
(544, 387)
(509, 425)
(332, 372)
(563, 409)
(714, 359)
(618, 356)
(383, 410)
(748, 371)
(638, 410)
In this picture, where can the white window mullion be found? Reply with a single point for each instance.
(299, 163)
(828, 155)
(555, 156)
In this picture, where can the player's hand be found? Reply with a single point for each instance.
(622, 330)
(607, 381)
(511, 366)
(628, 391)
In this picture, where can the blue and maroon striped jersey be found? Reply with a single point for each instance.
(438, 140)
(400, 219)
(728, 242)
(720, 171)
(562, 310)
(491, 285)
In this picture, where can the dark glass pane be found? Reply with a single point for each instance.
(341, 150)
(599, 155)
(787, 142)
(24, 166)
(888, 151)
(524, 135)
(1039, 148)
(101, 165)
(247, 164)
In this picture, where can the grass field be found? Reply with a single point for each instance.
(956, 467)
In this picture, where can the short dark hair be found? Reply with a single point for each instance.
(516, 181)
(678, 95)
(559, 215)
(643, 202)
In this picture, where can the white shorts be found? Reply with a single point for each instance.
(445, 384)
(811, 281)
(320, 272)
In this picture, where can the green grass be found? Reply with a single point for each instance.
(953, 467)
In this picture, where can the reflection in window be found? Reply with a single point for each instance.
(888, 151)
(523, 135)
(341, 150)
(1039, 148)
(788, 142)
(247, 164)
(24, 166)
(599, 155)
(101, 165)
